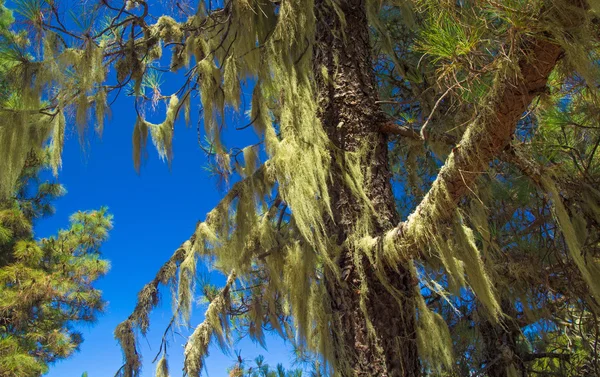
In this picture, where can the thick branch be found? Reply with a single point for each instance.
(484, 140)
(148, 297)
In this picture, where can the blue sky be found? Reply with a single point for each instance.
(154, 212)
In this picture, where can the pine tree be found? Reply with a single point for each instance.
(481, 112)
(46, 285)
(261, 369)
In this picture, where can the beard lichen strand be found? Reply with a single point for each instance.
(162, 134)
(477, 277)
(588, 267)
(57, 142)
(545, 180)
(162, 367)
(454, 267)
(433, 336)
(214, 325)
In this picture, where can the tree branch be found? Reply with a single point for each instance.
(484, 140)
(148, 297)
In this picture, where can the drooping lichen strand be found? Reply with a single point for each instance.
(231, 83)
(139, 141)
(21, 133)
(167, 29)
(58, 139)
(250, 161)
(212, 99)
(196, 348)
(453, 265)
(185, 283)
(125, 332)
(162, 368)
(433, 337)
(101, 109)
(297, 277)
(478, 279)
(589, 268)
(162, 134)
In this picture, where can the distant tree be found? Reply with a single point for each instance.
(422, 166)
(46, 285)
(261, 369)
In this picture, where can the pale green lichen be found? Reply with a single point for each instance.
(58, 139)
(162, 134)
(478, 279)
(168, 29)
(433, 337)
(589, 268)
(162, 368)
(231, 84)
(196, 349)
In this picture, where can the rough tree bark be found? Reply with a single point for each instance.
(351, 118)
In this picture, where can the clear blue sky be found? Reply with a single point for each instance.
(153, 213)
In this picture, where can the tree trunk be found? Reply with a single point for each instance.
(351, 118)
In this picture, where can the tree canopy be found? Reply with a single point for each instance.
(423, 195)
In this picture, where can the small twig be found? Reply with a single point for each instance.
(437, 103)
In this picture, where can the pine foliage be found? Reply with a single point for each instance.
(46, 285)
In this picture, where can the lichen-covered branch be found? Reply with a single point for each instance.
(483, 141)
(196, 347)
(148, 299)
(183, 259)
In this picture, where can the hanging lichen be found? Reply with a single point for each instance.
(162, 368)
(433, 337)
(590, 269)
(162, 134)
(58, 139)
(140, 138)
(196, 349)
